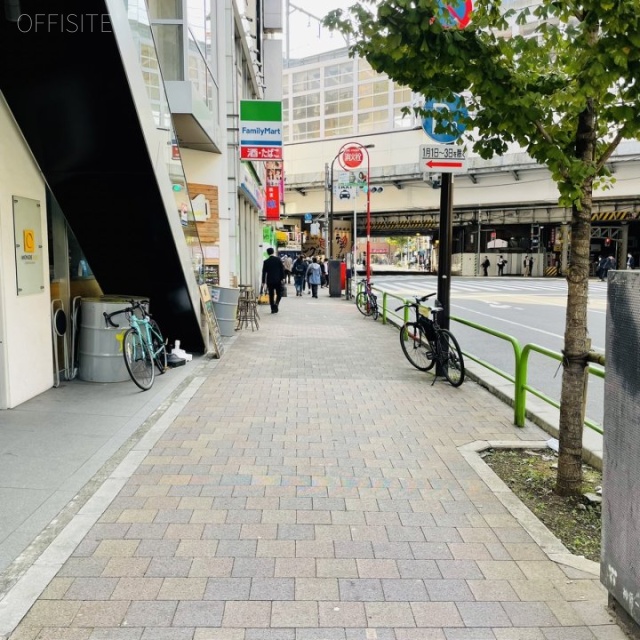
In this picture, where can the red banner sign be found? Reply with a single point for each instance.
(273, 202)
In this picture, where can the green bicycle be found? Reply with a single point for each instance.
(142, 345)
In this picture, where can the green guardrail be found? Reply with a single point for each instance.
(521, 358)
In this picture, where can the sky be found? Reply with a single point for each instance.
(308, 36)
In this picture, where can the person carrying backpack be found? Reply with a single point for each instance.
(299, 269)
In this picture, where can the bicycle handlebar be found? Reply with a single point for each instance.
(417, 302)
(135, 304)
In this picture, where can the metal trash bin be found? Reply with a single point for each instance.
(225, 304)
(100, 356)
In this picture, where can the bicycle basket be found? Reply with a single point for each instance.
(424, 311)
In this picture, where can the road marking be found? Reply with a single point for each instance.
(518, 324)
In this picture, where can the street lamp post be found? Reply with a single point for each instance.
(350, 163)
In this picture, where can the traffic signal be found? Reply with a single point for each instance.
(607, 242)
(377, 189)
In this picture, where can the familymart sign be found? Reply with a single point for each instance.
(260, 130)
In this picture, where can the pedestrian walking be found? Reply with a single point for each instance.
(314, 275)
(299, 269)
(485, 266)
(273, 278)
(501, 263)
(287, 261)
(630, 261)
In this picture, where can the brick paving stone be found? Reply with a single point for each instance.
(360, 590)
(198, 614)
(448, 590)
(294, 614)
(492, 590)
(295, 568)
(253, 568)
(483, 614)
(389, 614)
(368, 568)
(465, 569)
(316, 589)
(272, 589)
(137, 589)
(91, 589)
(436, 614)
(100, 614)
(169, 567)
(227, 589)
(182, 589)
(409, 590)
(530, 614)
(342, 614)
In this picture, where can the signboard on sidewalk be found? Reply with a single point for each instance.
(260, 130)
(212, 321)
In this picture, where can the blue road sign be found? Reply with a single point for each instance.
(308, 217)
(456, 109)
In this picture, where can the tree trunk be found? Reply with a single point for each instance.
(576, 336)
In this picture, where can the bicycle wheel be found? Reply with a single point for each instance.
(363, 304)
(158, 346)
(138, 359)
(453, 363)
(375, 311)
(415, 346)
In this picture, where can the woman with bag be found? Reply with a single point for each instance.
(314, 276)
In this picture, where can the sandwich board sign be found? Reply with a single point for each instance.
(212, 321)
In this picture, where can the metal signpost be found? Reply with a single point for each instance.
(446, 159)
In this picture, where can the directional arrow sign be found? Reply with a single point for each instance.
(445, 158)
(448, 167)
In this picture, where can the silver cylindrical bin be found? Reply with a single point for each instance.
(225, 304)
(100, 356)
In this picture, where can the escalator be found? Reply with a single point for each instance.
(63, 76)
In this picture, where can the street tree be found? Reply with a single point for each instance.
(559, 79)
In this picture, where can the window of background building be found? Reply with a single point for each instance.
(373, 121)
(365, 72)
(338, 101)
(306, 130)
(338, 126)
(306, 81)
(338, 74)
(373, 94)
(306, 106)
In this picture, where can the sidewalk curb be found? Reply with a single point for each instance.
(550, 545)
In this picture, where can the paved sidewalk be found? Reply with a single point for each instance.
(311, 485)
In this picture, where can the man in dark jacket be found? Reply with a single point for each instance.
(273, 278)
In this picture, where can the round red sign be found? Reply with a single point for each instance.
(352, 157)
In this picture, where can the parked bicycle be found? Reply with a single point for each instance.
(142, 345)
(426, 344)
(367, 301)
